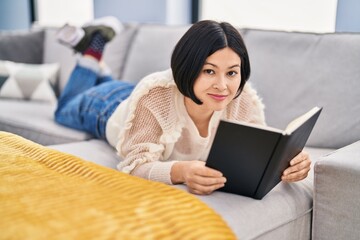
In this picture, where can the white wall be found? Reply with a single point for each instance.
(178, 12)
(290, 15)
(170, 12)
(59, 12)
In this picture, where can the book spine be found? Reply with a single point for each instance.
(279, 162)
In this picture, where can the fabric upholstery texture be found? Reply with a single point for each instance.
(28, 81)
(56, 52)
(294, 72)
(83, 200)
(93, 150)
(22, 46)
(117, 50)
(35, 120)
(151, 51)
(337, 194)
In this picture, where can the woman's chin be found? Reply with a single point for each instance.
(218, 107)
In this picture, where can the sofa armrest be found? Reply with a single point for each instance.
(336, 211)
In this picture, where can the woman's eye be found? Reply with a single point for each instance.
(209, 71)
(232, 73)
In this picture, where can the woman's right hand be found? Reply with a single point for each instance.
(198, 178)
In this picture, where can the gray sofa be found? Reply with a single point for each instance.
(291, 71)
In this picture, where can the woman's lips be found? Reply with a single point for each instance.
(218, 97)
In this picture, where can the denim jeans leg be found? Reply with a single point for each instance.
(71, 100)
(90, 98)
(105, 99)
(90, 110)
(104, 79)
(81, 79)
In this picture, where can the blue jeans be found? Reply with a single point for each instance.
(88, 101)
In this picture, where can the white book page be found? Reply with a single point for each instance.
(253, 125)
(294, 124)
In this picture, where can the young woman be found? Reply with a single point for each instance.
(164, 126)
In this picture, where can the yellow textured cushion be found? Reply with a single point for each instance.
(46, 194)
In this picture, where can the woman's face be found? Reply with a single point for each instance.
(219, 80)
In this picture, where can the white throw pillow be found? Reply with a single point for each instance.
(28, 81)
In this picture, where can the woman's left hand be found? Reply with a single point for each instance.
(298, 169)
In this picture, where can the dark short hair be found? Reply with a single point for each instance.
(199, 42)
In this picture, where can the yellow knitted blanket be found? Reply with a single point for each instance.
(47, 194)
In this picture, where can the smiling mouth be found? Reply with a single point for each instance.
(218, 97)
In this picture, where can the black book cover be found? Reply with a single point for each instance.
(252, 159)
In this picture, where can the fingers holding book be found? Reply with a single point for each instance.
(198, 178)
(298, 169)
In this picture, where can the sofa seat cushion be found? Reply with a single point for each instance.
(34, 120)
(93, 150)
(285, 213)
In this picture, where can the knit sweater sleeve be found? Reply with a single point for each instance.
(143, 147)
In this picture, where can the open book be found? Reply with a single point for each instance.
(253, 157)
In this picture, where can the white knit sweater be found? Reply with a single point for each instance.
(151, 129)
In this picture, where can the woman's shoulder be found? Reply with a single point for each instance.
(247, 107)
(155, 86)
(155, 98)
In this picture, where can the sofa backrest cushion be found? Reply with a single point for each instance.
(151, 50)
(54, 52)
(294, 72)
(22, 47)
(116, 51)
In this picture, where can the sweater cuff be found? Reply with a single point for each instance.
(160, 172)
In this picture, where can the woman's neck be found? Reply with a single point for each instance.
(199, 115)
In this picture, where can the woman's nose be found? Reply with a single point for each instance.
(221, 83)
